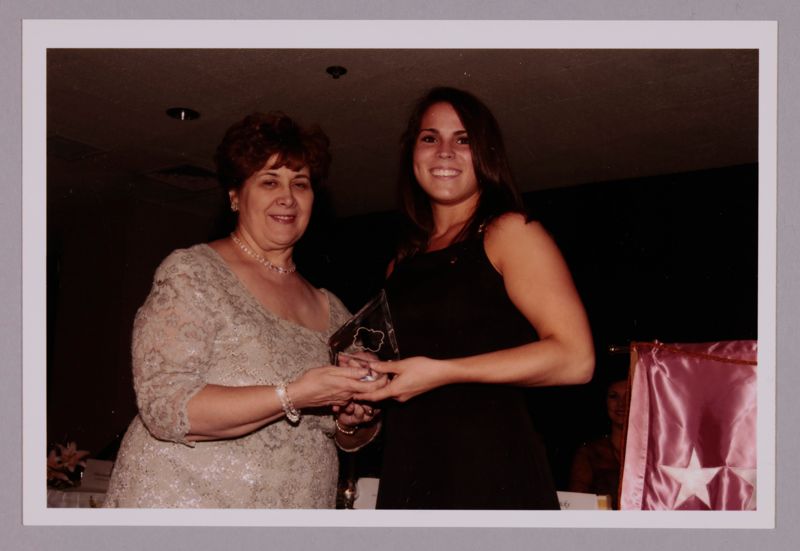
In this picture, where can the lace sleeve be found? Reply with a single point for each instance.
(173, 334)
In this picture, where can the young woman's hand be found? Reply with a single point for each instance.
(409, 377)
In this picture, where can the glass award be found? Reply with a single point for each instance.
(369, 331)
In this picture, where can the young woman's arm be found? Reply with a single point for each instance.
(539, 284)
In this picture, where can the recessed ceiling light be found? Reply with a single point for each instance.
(336, 71)
(183, 113)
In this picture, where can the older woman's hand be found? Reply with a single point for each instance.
(361, 359)
(356, 413)
(330, 385)
(357, 423)
(359, 413)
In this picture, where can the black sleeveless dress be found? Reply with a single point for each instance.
(462, 446)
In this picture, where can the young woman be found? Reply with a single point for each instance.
(483, 304)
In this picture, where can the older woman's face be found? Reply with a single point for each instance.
(275, 205)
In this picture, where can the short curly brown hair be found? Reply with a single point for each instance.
(248, 144)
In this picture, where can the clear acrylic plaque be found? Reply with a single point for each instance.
(370, 331)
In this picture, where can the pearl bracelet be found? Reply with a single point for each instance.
(343, 430)
(286, 403)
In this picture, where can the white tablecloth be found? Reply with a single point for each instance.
(74, 498)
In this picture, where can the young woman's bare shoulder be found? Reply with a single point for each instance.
(510, 227)
(509, 220)
(511, 235)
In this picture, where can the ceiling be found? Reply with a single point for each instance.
(568, 116)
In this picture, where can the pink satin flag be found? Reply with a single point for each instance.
(691, 437)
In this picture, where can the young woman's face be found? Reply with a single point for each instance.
(275, 205)
(617, 402)
(442, 157)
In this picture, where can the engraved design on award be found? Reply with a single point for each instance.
(371, 336)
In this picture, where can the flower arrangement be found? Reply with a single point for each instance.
(62, 465)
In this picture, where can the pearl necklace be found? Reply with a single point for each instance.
(263, 261)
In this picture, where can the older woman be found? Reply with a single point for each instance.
(229, 350)
(483, 303)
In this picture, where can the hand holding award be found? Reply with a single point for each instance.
(367, 336)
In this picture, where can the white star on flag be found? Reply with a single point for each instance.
(693, 479)
(749, 476)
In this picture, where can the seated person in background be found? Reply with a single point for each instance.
(596, 466)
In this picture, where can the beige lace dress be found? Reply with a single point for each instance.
(199, 326)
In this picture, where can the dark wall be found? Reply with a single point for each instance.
(103, 248)
(672, 258)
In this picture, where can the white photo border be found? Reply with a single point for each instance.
(39, 35)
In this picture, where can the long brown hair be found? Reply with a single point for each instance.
(498, 194)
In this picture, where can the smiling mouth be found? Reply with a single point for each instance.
(445, 172)
(283, 218)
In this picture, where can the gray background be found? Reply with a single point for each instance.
(15, 536)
